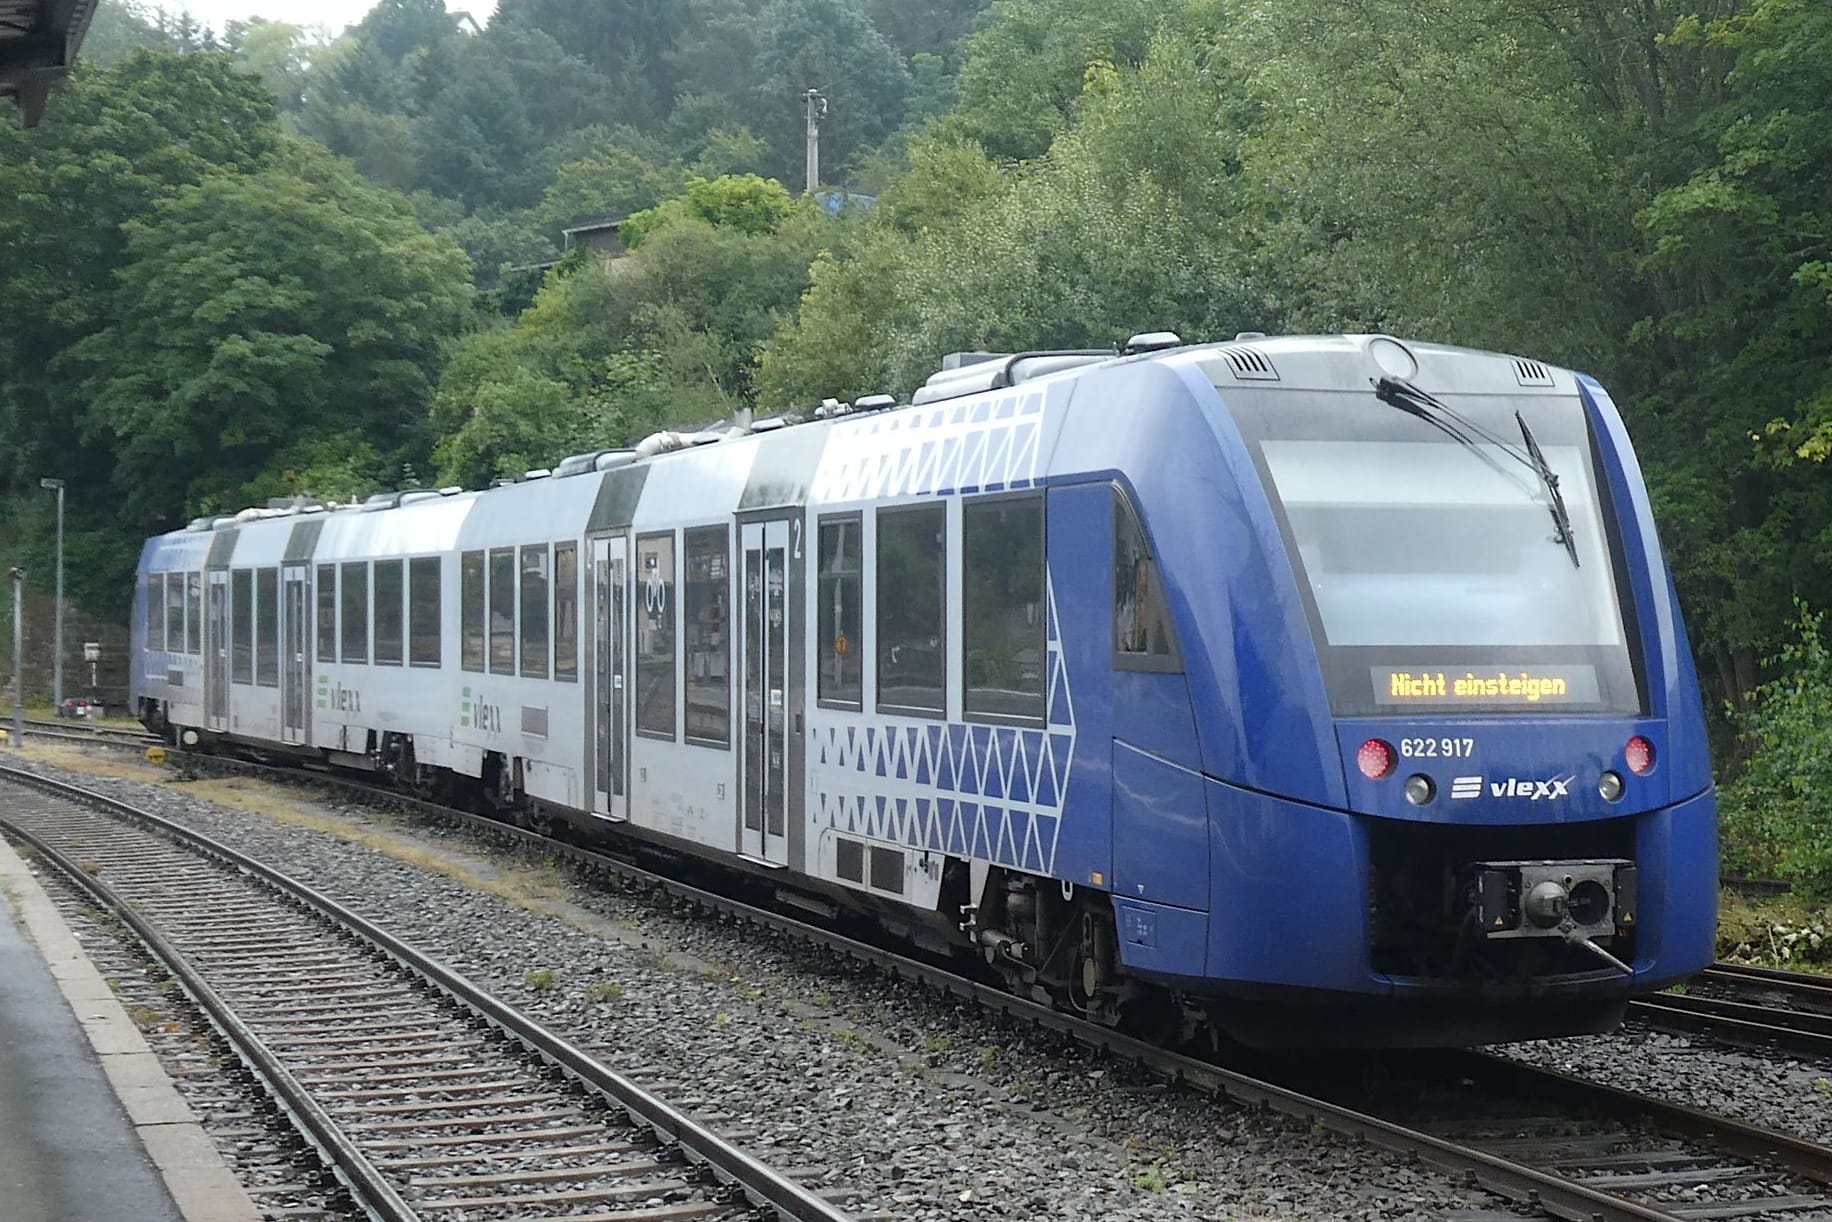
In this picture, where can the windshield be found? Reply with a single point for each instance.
(1434, 576)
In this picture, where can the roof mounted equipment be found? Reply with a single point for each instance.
(1152, 341)
(984, 371)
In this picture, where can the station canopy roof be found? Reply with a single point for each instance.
(38, 42)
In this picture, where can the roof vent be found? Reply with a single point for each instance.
(537, 473)
(418, 495)
(1531, 373)
(1152, 341)
(875, 403)
(615, 458)
(1241, 337)
(1248, 364)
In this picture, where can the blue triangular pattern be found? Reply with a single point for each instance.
(955, 833)
(1032, 856)
(1047, 827)
(1061, 745)
(1018, 765)
(992, 768)
(1059, 704)
(1005, 850)
(982, 412)
(968, 763)
(981, 844)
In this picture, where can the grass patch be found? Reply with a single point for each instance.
(1774, 931)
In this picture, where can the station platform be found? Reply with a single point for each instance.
(91, 1128)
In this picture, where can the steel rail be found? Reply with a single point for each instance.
(79, 726)
(1802, 1029)
(763, 1185)
(340, 1155)
(1554, 1194)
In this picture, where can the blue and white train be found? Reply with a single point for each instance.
(1316, 689)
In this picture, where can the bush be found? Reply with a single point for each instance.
(1776, 815)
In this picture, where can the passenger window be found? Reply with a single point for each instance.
(535, 612)
(502, 611)
(1141, 619)
(355, 602)
(388, 626)
(912, 597)
(193, 613)
(241, 597)
(1003, 624)
(654, 599)
(840, 679)
(471, 609)
(267, 627)
(566, 612)
(152, 595)
(174, 612)
(707, 636)
(327, 613)
(424, 627)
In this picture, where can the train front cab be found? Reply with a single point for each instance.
(1430, 732)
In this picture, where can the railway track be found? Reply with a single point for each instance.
(83, 732)
(1789, 1011)
(1560, 1145)
(427, 1098)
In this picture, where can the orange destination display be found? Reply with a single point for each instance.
(1485, 685)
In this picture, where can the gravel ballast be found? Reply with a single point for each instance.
(1770, 1089)
(928, 1109)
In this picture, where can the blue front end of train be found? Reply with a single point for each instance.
(1425, 761)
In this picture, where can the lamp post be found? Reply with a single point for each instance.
(57, 615)
(18, 577)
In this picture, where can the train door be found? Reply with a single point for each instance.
(216, 646)
(610, 699)
(769, 614)
(295, 637)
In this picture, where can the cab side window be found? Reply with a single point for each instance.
(1142, 638)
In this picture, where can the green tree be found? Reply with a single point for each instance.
(830, 45)
(261, 310)
(1118, 230)
(742, 202)
(279, 53)
(1777, 812)
(115, 143)
(1027, 63)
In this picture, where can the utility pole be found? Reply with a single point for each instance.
(57, 616)
(18, 576)
(814, 104)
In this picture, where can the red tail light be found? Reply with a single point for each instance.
(1376, 759)
(1639, 755)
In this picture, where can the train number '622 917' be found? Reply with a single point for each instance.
(1437, 748)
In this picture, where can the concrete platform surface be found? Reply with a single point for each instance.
(91, 1128)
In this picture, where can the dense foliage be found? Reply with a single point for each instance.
(1777, 813)
(205, 308)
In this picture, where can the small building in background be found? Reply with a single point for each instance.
(601, 236)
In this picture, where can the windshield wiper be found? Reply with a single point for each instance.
(1561, 520)
(1434, 411)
